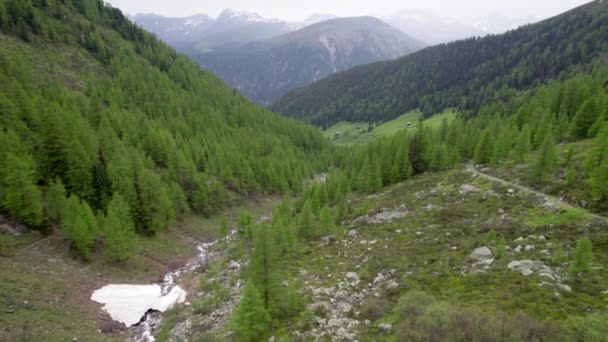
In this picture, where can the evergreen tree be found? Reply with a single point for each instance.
(21, 197)
(582, 259)
(251, 320)
(546, 161)
(79, 226)
(326, 223)
(264, 266)
(584, 119)
(118, 229)
(485, 148)
(306, 225)
(55, 201)
(523, 143)
(245, 223)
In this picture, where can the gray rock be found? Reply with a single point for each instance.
(392, 285)
(385, 327)
(518, 248)
(341, 295)
(379, 278)
(352, 233)
(234, 266)
(529, 248)
(271, 339)
(467, 188)
(481, 254)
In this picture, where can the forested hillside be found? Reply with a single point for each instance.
(102, 123)
(465, 74)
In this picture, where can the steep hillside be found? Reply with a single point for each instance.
(265, 70)
(98, 114)
(464, 75)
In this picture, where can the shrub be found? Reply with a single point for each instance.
(375, 308)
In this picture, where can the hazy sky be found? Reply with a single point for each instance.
(298, 10)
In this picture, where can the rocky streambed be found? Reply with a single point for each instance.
(141, 305)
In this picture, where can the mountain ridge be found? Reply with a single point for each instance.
(264, 70)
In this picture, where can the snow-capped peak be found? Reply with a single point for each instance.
(229, 15)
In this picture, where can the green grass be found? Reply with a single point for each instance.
(357, 133)
(569, 216)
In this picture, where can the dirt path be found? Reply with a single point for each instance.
(556, 201)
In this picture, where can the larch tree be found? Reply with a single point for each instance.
(118, 230)
(55, 201)
(306, 224)
(585, 118)
(21, 197)
(582, 259)
(79, 226)
(485, 148)
(251, 320)
(264, 266)
(523, 143)
(546, 160)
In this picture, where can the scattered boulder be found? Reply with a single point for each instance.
(482, 254)
(234, 266)
(385, 327)
(467, 188)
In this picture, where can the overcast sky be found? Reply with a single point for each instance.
(298, 10)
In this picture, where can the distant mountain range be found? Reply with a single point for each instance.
(265, 58)
(265, 70)
(231, 29)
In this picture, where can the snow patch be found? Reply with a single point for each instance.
(128, 304)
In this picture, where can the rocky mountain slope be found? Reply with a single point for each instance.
(265, 70)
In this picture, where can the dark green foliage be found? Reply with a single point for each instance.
(251, 320)
(465, 74)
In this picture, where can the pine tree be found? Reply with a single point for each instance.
(245, 223)
(264, 267)
(584, 119)
(598, 181)
(546, 161)
(485, 148)
(251, 320)
(79, 226)
(523, 143)
(325, 221)
(306, 226)
(21, 196)
(582, 259)
(118, 229)
(55, 201)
